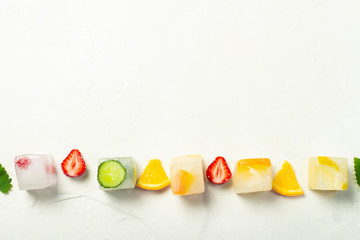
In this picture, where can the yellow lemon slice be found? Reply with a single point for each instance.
(328, 162)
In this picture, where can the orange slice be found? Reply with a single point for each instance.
(285, 182)
(182, 182)
(153, 177)
(256, 163)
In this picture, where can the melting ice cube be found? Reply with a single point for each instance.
(328, 173)
(186, 175)
(252, 175)
(35, 171)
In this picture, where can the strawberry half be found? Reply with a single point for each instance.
(74, 164)
(218, 171)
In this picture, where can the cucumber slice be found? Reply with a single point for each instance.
(111, 174)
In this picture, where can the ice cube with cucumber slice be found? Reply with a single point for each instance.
(116, 173)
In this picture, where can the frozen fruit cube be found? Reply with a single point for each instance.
(252, 175)
(328, 173)
(116, 173)
(35, 171)
(186, 175)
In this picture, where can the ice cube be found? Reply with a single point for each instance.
(112, 174)
(186, 175)
(35, 171)
(252, 175)
(328, 173)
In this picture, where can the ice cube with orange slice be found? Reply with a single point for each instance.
(252, 175)
(328, 173)
(186, 175)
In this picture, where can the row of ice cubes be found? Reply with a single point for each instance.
(37, 171)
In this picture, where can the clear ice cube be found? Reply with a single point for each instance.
(186, 175)
(130, 178)
(35, 171)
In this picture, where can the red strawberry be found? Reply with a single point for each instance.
(74, 164)
(218, 171)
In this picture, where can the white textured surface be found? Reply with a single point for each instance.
(158, 79)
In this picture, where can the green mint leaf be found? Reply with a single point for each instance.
(357, 169)
(5, 180)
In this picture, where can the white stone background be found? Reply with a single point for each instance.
(161, 78)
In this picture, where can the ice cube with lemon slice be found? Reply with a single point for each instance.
(186, 175)
(328, 173)
(252, 175)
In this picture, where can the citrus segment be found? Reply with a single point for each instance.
(285, 182)
(153, 177)
(328, 162)
(255, 163)
(182, 182)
